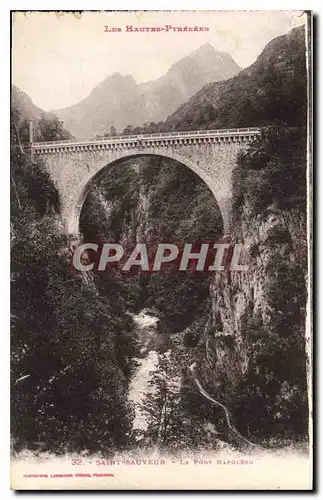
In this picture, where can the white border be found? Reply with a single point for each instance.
(4, 154)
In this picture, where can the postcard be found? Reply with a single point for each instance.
(161, 287)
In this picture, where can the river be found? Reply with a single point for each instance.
(146, 326)
(148, 363)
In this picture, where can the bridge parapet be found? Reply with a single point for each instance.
(173, 139)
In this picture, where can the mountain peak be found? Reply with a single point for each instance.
(114, 82)
(206, 47)
(116, 77)
(119, 101)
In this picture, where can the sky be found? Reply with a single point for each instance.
(58, 58)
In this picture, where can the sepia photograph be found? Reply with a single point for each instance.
(160, 246)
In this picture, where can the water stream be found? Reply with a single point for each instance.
(140, 387)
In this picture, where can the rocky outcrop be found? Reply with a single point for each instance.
(255, 341)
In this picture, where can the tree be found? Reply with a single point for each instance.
(177, 414)
(272, 171)
(161, 406)
(137, 130)
(50, 128)
(128, 130)
(152, 128)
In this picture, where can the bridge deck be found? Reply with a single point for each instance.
(196, 134)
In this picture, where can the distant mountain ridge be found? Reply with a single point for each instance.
(119, 101)
(24, 110)
(23, 103)
(272, 90)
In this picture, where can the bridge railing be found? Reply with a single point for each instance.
(163, 135)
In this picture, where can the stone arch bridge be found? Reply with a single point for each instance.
(211, 154)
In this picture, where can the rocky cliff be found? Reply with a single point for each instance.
(255, 359)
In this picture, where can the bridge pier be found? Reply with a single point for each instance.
(225, 205)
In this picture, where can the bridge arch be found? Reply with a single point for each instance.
(73, 211)
(211, 154)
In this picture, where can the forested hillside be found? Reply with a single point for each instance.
(46, 126)
(68, 387)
